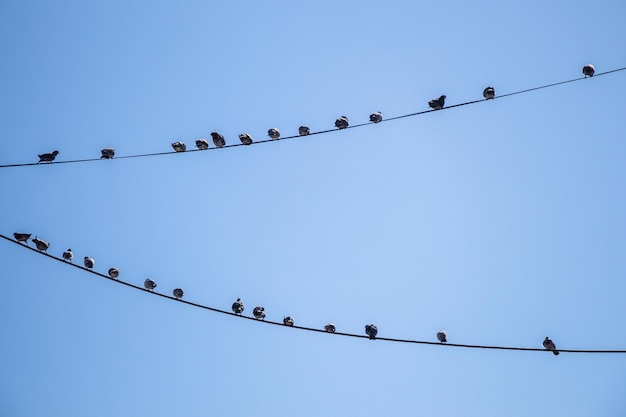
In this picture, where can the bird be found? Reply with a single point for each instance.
(238, 306)
(549, 345)
(330, 328)
(202, 144)
(288, 321)
(376, 117)
(178, 293)
(259, 313)
(89, 262)
(218, 139)
(41, 245)
(245, 138)
(371, 331)
(179, 146)
(589, 70)
(48, 157)
(273, 133)
(304, 130)
(489, 93)
(438, 103)
(68, 255)
(149, 284)
(114, 273)
(107, 153)
(341, 123)
(22, 237)
(442, 336)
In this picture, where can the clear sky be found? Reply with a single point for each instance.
(501, 222)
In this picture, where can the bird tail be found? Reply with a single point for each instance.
(556, 352)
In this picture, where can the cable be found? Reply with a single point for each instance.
(310, 329)
(321, 131)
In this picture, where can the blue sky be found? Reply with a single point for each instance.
(501, 222)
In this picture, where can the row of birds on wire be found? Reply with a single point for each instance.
(341, 123)
(371, 330)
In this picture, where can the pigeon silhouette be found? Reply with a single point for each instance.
(371, 331)
(114, 273)
(259, 313)
(238, 306)
(437, 103)
(288, 321)
(549, 345)
(341, 123)
(48, 157)
(22, 237)
(589, 70)
(149, 284)
(304, 130)
(202, 144)
(489, 93)
(68, 255)
(178, 293)
(218, 140)
(376, 117)
(330, 328)
(89, 262)
(245, 138)
(107, 153)
(41, 245)
(273, 133)
(442, 336)
(179, 146)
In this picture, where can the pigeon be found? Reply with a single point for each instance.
(48, 157)
(438, 103)
(371, 331)
(376, 117)
(238, 306)
(114, 273)
(178, 293)
(259, 313)
(489, 93)
(202, 144)
(288, 321)
(273, 133)
(41, 245)
(589, 70)
(22, 237)
(549, 345)
(89, 262)
(149, 284)
(179, 146)
(245, 138)
(218, 139)
(341, 123)
(107, 153)
(442, 336)
(330, 328)
(304, 130)
(68, 255)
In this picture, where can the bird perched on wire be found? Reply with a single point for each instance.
(330, 328)
(489, 93)
(218, 140)
(178, 293)
(342, 122)
(114, 273)
(41, 245)
(22, 237)
(259, 313)
(179, 146)
(304, 130)
(438, 103)
(107, 153)
(245, 138)
(89, 262)
(68, 255)
(48, 157)
(238, 306)
(548, 344)
(376, 117)
(371, 331)
(442, 336)
(202, 144)
(589, 70)
(273, 133)
(149, 284)
(288, 321)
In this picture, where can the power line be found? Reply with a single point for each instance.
(310, 329)
(322, 131)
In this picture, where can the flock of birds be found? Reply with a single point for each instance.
(342, 122)
(237, 307)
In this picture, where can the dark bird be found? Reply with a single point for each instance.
(288, 321)
(41, 245)
(22, 237)
(273, 133)
(371, 331)
(114, 273)
(489, 93)
(330, 328)
(341, 123)
(238, 306)
(245, 138)
(259, 313)
(304, 130)
(376, 117)
(68, 255)
(179, 146)
(549, 345)
(149, 284)
(202, 144)
(588, 70)
(107, 153)
(437, 103)
(178, 293)
(442, 336)
(89, 262)
(48, 157)
(218, 139)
